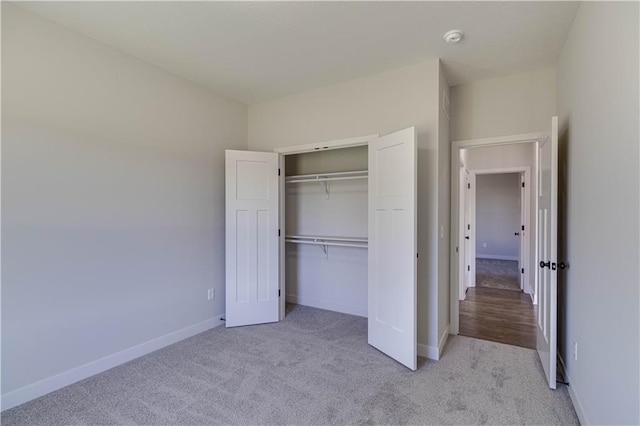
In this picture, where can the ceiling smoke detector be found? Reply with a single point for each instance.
(453, 36)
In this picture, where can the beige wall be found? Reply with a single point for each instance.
(510, 105)
(382, 103)
(112, 202)
(599, 210)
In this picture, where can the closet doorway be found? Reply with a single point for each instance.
(305, 225)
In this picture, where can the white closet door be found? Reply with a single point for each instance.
(392, 246)
(251, 237)
(547, 255)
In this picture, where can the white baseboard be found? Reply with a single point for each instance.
(427, 351)
(433, 352)
(577, 405)
(328, 305)
(496, 257)
(50, 384)
(443, 341)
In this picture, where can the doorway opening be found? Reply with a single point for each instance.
(493, 244)
(500, 231)
(496, 303)
(543, 221)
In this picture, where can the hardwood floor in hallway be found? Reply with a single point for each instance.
(504, 316)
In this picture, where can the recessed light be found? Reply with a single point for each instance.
(453, 36)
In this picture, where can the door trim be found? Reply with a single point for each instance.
(456, 146)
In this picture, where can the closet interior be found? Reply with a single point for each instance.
(326, 194)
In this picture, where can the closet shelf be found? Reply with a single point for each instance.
(324, 177)
(327, 241)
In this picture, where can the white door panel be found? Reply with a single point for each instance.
(547, 253)
(392, 309)
(469, 260)
(251, 237)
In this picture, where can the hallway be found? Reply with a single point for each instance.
(498, 315)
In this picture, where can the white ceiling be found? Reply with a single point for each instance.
(255, 51)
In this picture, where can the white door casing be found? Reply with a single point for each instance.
(392, 266)
(251, 237)
(547, 255)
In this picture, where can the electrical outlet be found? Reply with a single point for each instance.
(484, 245)
(575, 350)
(211, 294)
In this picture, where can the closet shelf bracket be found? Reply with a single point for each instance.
(327, 189)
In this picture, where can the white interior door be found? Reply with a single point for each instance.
(521, 231)
(547, 255)
(469, 261)
(392, 246)
(251, 237)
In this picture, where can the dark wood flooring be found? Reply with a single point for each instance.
(504, 316)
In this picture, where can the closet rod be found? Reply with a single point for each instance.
(326, 243)
(323, 179)
(325, 238)
(320, 177)
(354, 173)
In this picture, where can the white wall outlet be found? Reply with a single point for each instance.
(211, 294)
(575, 350)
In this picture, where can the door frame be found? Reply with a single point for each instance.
(302, 149)
(524, 257)
(455, 238)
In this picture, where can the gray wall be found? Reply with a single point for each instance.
(498, 215)
(381, 103)
(598, 109)
(112, 199)
(510, 105)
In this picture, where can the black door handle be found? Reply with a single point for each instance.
(517, 233)
(545, 265)
(466, 238)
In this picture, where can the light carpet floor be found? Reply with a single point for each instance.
(502, 274)
(315, 367)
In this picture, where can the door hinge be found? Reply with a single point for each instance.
(278, 232)
(522, 271)
(468, 267)
(469, 227)
(278, 292)
(523, 184)
(456, 249)
(468, 186)
(523, 227)
(278, 172)
(417, 255)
